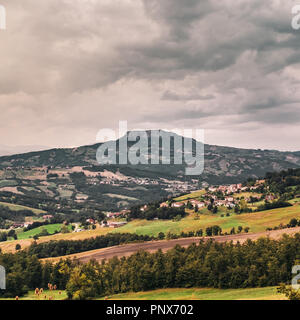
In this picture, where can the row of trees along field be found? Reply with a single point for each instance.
(264, 262)
(65, 247)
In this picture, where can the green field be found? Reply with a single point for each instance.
(50, 228)
(268, 293)
(192, 195)
(17, 207)
(45, 296)
(257, 221)
(8, 183)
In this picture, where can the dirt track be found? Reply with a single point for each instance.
(129, 249)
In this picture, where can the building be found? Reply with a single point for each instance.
(164, 204)
(26, 224)
(197, 203)
(18, 225)
(116, 224)
(177, 204)
(47, 217)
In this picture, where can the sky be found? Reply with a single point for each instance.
(69, 68)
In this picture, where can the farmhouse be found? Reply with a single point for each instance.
(18, 225)
(198, 203)
(26, 224)
(144, 208)
(164, 204)
(270, 197)
(47, 217)
(116, 224)
(116, 214)
(177, 204)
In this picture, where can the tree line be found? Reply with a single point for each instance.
(155, 212)
(260, 263)
(65, 247)
(264, 262)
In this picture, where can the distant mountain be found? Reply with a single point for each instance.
(222, 164)
(74, 175)
(11, 150)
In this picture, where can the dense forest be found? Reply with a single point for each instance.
(220, 265)
(155, 212)
(264, 262)
(286, 182)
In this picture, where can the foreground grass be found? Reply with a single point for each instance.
(268, 293)
(45, 296)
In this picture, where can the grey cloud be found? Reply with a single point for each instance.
(71, 67)
(177, 15)
(169, 95)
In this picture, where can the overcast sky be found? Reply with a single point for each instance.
(71, 67)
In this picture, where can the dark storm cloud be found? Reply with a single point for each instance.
(177, 15)
(69, 68)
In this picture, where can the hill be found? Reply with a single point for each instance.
(71, 178)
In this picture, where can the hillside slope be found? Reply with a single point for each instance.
(73, 174)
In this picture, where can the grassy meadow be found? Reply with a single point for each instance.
(17, 207)
(192, 195)
(256, 221)
(51, 228)
(268, 293)
(54, 295)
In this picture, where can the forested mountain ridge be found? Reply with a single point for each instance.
(74, 175)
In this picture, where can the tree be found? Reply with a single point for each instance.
(290, 293)
(64, 229)
(208, 231)
(189, 205)
(293, 223)
(11, 233)
(161, 236)
(3, 236)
